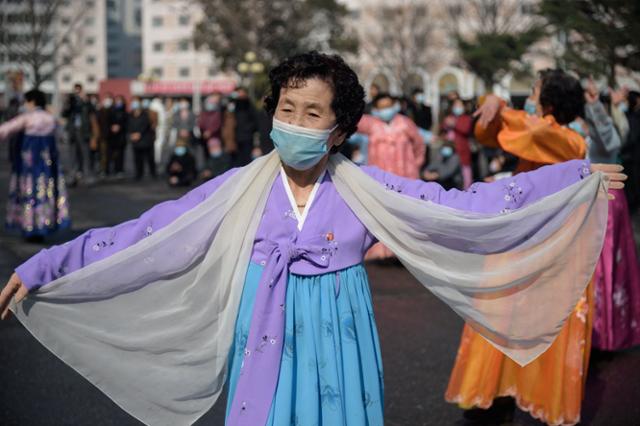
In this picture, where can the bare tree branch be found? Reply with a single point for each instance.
(38, 40)
(399, 39)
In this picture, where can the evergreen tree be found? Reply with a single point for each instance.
(273, 29)
(493, 35)
(598, 34)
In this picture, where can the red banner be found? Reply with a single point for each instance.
(188, 87)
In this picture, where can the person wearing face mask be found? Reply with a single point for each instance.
(181, 168)
(254, 282)
(421, 112)
(103, 114)
(395, 145)
(117, 137)
(210, 123)
(184, 121)
(245, 132)
(37, 205)
(83, 133)
(140, 131)
(444, 165)
(218, 160)
(463, 130)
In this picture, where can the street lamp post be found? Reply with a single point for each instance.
(250, 67)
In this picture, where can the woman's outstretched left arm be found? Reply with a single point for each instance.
(504, 195)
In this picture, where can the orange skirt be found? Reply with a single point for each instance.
(550, 388)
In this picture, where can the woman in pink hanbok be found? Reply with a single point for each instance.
(395, 146)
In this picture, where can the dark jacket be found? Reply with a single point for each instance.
(119, 116)
(140, 124)
(246, 122)
(78, 113)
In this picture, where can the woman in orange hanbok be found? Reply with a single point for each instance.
(395, 146)
(550, 388)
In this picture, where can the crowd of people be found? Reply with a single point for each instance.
(166, 136)
(472, 140)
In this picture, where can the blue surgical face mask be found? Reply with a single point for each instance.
(146, 103)
(420, 98)
(211, 106)
(575, 126)
(457, 111)
(386, 114)
(299, 147)
(530, 107)
(180, 150)
(446, 151)
(623, 106)
(135, 105)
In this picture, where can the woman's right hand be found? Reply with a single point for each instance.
(14, 288)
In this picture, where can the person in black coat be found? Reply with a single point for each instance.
(181, 168)
(117, 136)
(141, 135)
(246, 119)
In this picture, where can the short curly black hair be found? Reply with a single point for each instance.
(563, 94)
(348, 94)
(37, 97)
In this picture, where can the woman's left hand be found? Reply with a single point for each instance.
(613, 172)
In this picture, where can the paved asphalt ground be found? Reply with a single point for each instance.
(419, 340)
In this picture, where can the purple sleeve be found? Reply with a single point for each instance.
(500, 196)
(99, 243)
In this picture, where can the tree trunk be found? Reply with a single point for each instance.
(612, 72)
(37, 78)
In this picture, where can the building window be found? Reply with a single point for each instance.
(183, 46)
(91, 60)
(89, 21)
(183, 20)
(157, 72)
(91, 78)
(90, 41)
(66, 78)
(158, 46)
(157, 21)
(212, 71)
(111, 4)
(137, 17)
(185, 72)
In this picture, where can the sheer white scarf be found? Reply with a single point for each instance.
(151, 326)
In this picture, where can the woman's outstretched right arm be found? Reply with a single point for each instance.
(99, 243)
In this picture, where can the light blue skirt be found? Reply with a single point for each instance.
(331, 369)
